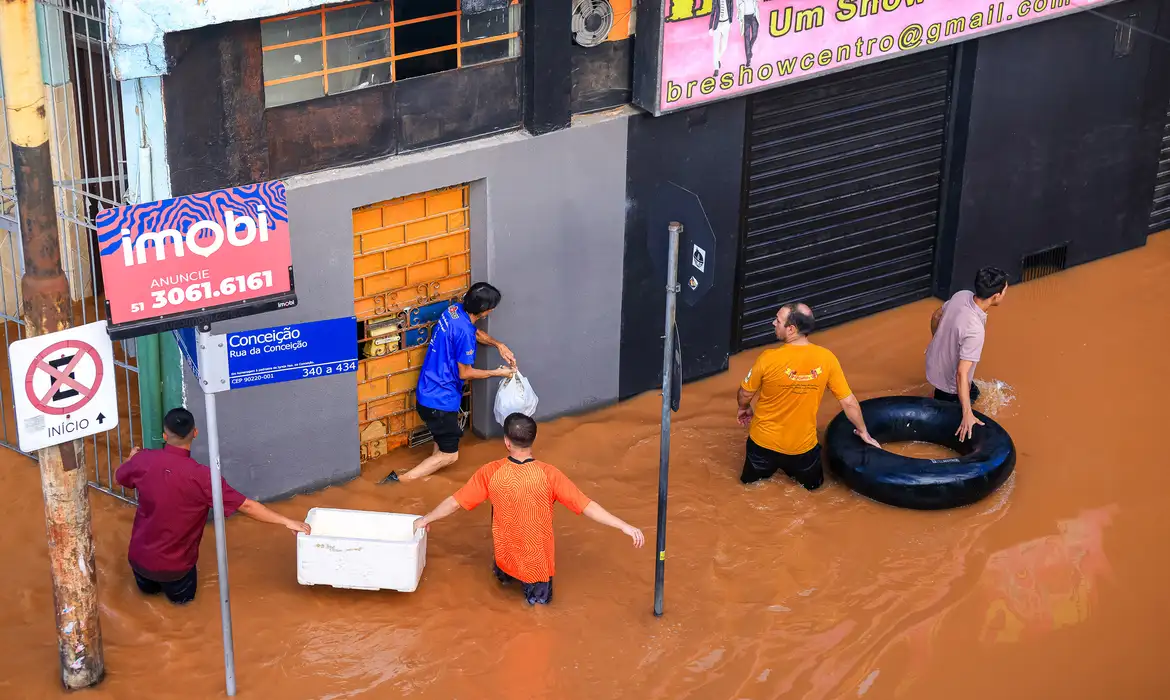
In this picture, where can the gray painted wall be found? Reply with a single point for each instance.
(547, 227)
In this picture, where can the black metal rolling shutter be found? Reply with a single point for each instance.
(1160, 209)
(843, 187)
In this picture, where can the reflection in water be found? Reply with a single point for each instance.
(1037, 586)
(772, 592)
(1047, 583)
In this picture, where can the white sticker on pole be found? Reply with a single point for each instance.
(63, 386)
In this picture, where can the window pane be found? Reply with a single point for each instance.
(415, 9)
(359, 78)
(425, 65)
(293, 60)
(485, 24)
(360, 17)
(296, 91)
(286, 30)
(81, 26)
(433, 34)
(359, 48)
(482, 53)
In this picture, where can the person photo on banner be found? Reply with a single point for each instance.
(720, 29)
(749, 26)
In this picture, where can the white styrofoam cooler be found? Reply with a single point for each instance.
(361, 549)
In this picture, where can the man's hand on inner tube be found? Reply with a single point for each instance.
(963, 382)
(968, 425)
(852, 409)
(867, 439)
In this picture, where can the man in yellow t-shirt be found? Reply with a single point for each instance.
(787, 384)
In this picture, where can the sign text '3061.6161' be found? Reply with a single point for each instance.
(196, 259)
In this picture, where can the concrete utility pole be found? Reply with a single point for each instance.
(47, 308)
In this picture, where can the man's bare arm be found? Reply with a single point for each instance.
(745, 398)
(852, 410)
(484, 339)
(744, 414)
(262, 513)
(447, 507)
(467, 372)
(963, 382)
(595, 512)
(935, 318)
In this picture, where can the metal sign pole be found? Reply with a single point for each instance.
(225, 605)
(672, 290)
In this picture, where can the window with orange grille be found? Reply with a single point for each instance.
(346, 47)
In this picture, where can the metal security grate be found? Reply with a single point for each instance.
(1043, 263)
(1160, 208)
(843, 186)
(89, 174)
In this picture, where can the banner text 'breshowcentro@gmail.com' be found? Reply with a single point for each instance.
(715, 49)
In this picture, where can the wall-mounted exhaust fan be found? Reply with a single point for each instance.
(592, 20)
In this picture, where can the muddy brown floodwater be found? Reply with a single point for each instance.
(1054, 587)
(924, 450)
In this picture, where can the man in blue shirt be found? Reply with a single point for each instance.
(449, 362)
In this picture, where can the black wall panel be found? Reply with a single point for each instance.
(337, 129)
(214, 98)
(700, 150)
(1062, 144)
(457, 105)
(219, 133)
(547, 46)
(602, 75)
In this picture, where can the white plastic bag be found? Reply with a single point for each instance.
(515, 396)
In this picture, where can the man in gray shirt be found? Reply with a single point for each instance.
(958, 330)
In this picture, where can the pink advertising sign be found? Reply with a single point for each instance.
(716, 49)
(191, 260)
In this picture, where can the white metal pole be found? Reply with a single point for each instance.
(225, 605)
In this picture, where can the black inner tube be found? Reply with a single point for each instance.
(985, 460)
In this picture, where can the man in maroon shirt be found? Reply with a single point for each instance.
(174, 496)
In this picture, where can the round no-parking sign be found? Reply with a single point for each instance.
(63, 386)
(64, 377)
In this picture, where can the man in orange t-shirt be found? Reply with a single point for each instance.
(787, 383)
(522, 491)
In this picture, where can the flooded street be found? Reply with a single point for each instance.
(1054, 587)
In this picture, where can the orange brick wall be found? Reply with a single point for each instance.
(406, 252)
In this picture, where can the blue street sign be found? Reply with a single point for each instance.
(288, 353)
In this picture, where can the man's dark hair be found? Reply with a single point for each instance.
(520, 429)
(990, 281)
(179, 422)
(482, 297)
(798, 318)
